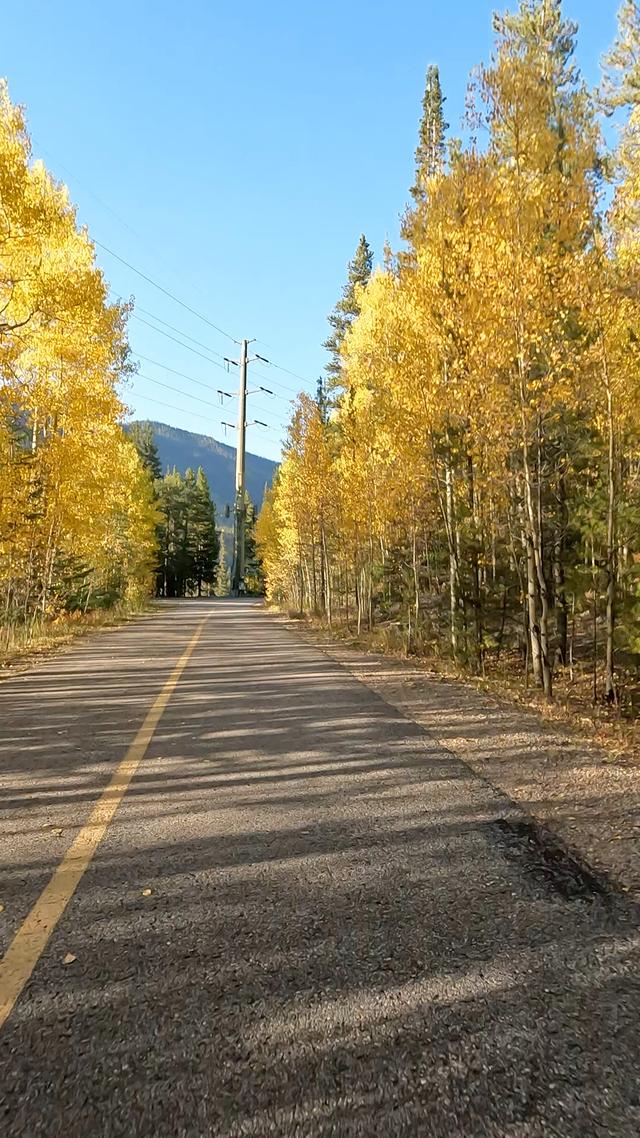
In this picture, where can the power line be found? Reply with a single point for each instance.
(283, 386)
(285, 369)
(191, 379)
(198, 398)
(182, 374)
(183, 410)
(82, 182)
(293, 373)
(150, 280)
(185, 336)
(212, 351)
(172, 296)
(187, 346)
(171, 406)
(194, 312)
(165, 367)
(261, 375)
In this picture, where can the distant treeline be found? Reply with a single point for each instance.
(193, 555)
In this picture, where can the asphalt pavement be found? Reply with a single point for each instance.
(302, 917)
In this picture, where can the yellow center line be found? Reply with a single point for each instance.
(32, 937)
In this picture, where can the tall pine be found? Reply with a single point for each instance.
(343, 315)
(430, 153)
(205, 542)
(431, 138)
(223, 570)
(188, 538)
(253, 572)
(143, 439)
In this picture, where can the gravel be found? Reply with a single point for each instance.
(563, 781)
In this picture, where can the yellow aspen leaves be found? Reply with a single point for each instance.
(76, 513)
(476, 487)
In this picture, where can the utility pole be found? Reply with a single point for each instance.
(240, 511)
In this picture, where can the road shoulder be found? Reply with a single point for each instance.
(559, 779)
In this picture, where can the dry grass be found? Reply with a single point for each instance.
(22, 644)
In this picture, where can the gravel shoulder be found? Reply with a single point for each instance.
(567, 784)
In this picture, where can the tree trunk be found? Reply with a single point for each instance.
(537, 585)
(416, 576)
(594, 623)
(610, 692)
(453, 571)
(532, 612)
(475, 570)
(326, 576)
(562, 616)
(503, 620)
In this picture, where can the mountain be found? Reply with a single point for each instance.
(184, 448)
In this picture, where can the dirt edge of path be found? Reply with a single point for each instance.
(560, 780)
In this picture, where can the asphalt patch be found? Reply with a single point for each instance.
(545, 859)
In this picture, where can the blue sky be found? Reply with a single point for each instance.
(234, 153)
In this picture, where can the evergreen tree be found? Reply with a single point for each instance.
(188, 543)
(223, 571)
(188, 538)
(430, 151)
(253, 571)
(345, 312)
(321, 399)
(143, 439)
(205, 543)
(430, 154)
(171, 503)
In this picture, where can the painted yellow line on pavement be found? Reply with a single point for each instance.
(33, 935)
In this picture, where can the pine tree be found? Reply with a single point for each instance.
(143, 438)
(431, 144)
(322, 401)
(205, 543)
(223, 570)
(345, 312)
(188, 539)
(253, 572)
(171, 501)
(430, 155)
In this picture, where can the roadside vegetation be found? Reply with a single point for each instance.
(89, 528)
(77, 516)
(466, 485)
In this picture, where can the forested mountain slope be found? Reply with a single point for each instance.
(184, 449)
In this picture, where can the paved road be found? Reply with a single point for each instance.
(335, 942)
